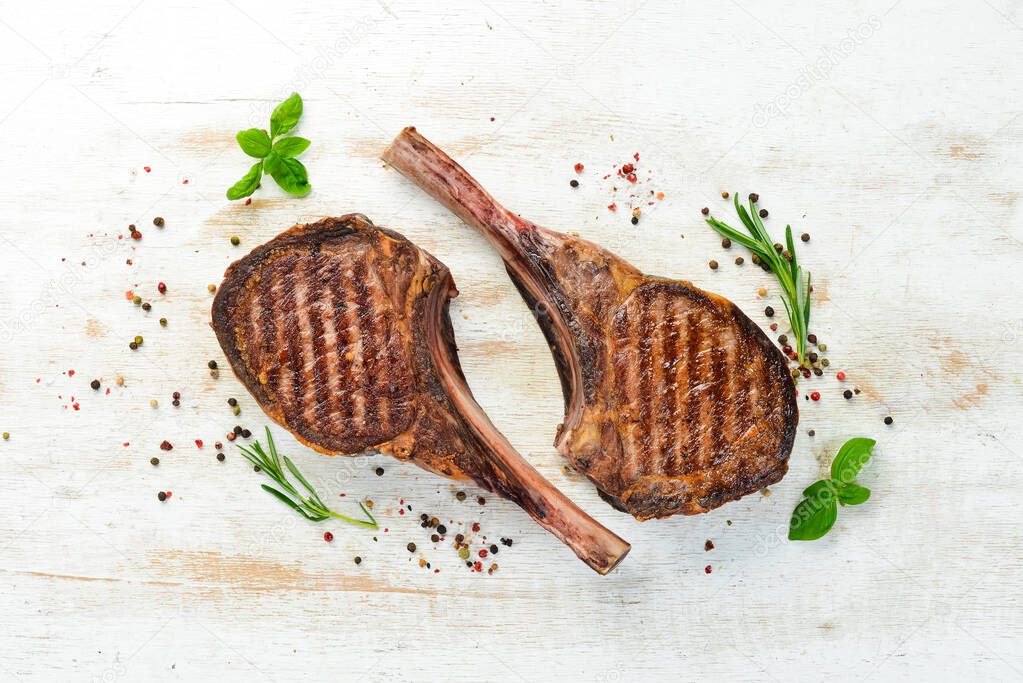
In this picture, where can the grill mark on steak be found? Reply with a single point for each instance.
(670, 342)
(618, 436)
(340, 286)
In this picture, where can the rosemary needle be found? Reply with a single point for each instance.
(311, 506)
(795, 294)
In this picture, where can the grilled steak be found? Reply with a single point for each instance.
(340, 330)
(675, 401)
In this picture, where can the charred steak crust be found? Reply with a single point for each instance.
(341, 331)
(675, 401)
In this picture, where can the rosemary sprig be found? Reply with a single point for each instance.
(312, 506)
(782, 262)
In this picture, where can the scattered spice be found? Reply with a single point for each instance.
(805, 237)
(840, 375)
(94, 384)
(726, 243)
(327, 536)
(707, 569)
(578, 168)
(161, 496)
(739, 260)
(811, 433)
(708, 546)
(358, 560)
(460, 496)
(481, 500)
(888, 420)
(235, 241)
(848, 394)
(705, 211)
(573, 182)
(763, 213)
(713, 264)
(724, 195)
(221, 457)
(211, 288)
(380, 471)
(158, 221)
(769, 312)
(146, 306)
(166, 446)
(153, 403)
(411, 547)
(816, 395)
(754, 197)
(163, 322)
(154, 461)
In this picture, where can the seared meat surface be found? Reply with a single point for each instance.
(675, 401)
(340, 330)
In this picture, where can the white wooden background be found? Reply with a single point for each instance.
(890, 130)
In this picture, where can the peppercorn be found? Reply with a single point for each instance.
(847, 393)
(507, 541)
(493, 549)
(137, 300)
(713, 265)
(739, 260)
(163, 322)
(778, 247)
(154, 461)
(812, 433)
(246, 433)
(441, 529)
(94, 384)
(756, 260)
(812, 356)
(763, 213)
(236, 411)
(724, 195)
(481, 500)
(327, 536)
(463, 552)
(786, 254)
(176, 403)
(221, 457)
(166, 445)
(235, 241)
(257, 468)
(818, 372)
(573, 182)
(132, 345)
(822, 346)
(783, 339)
(460, 495)
(146, 306)
(411, 547)
(212, 365)
(634, 220)
(825, 362)
(459, 538)
(805, 237)
(237, 429)
(162, 496)
(754, 197)
(434, 538)
(358, 560)
(769, 312)
(726, 243)
(211, 288)
(232, 401)
(138, 339)
(158, 221)
(815, 395)
(888, 420)
(705, 211)
(812, 338)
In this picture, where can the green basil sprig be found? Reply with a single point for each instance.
(276, 154)
(817, 512)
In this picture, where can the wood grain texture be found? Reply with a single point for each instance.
(891, 130)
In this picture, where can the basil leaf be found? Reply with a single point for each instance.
(853, 494)
(248, 184)
(851, 458)
(286, 115)
(271, 163)
(292, 177)
(823, 490)
(254, 142)
(812, 519)
(291, 147)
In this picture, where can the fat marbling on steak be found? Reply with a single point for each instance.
(675, 401)
(340, 330)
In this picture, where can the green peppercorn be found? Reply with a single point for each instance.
(137, 300)
(6, 436)
(463, 552)
(756, 260)
(138, 339)
(235, 241)
(825, 362)
(822, 347)
(163, 322)
(236, 410)
(154, 461)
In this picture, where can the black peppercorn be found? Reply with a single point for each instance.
(573, 182)
(158, 221)
(705, 211)
(246, 433)
(221, 457)
(763, 213)
(441, 529)
(754, 197)
(460, 495)
(888, 420)
(232, 402)
(162, 496)
(146, 306)
(94, 384)
(635, 220)
(805, 237)
(411, 547)
(769, 312)
(154, 461)
(847, 393)
(380, 471)
(212, 365)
